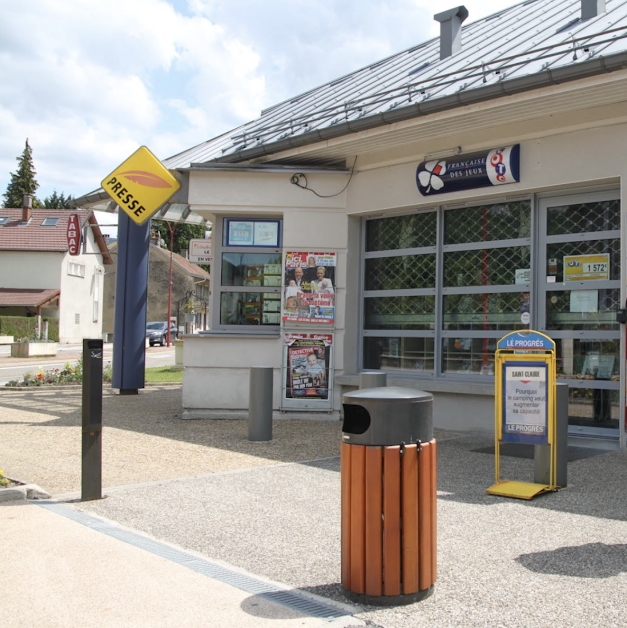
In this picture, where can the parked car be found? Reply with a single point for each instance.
(157, 333)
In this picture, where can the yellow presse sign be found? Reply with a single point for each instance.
(140, 185)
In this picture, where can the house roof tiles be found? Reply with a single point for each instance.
(27, 297)
(35, 236)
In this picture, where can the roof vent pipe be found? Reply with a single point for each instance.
(592, 8)
(451, 30)
(27, 204)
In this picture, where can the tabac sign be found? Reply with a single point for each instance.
(140, 185)
(73, 235)
(474, 170)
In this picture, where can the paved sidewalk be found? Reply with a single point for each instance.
(191, 503)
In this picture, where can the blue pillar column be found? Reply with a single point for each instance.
(131, 294)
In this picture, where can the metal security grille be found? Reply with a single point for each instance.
(583, 218)
(401, 232)
(488, 267)
(559, 316)
(404, 272)
(487, 223)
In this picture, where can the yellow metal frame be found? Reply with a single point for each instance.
(508, 488)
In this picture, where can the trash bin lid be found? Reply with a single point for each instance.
(389, 394)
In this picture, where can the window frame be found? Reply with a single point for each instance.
(218, 289)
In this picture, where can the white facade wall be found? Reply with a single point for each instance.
(575, 151)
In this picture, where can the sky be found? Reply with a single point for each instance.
(88, 82)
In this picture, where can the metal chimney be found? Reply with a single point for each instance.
(27, 205)
(451, 30)
(592, 8)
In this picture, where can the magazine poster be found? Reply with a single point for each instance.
(308, 360)
(309, 288)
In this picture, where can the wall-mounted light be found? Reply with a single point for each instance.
(440, 154)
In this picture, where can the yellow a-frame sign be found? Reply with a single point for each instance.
(525, 404)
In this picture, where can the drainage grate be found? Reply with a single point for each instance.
(293, 600)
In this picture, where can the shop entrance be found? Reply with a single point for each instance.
(578, 296)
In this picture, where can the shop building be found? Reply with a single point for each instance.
(460, 190)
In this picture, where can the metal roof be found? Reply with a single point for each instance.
(527, 46)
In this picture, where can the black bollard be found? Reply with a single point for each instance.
(91, 477)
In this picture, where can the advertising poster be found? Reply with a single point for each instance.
(525, 403)
(586, 267)
(308, 361)
(309, 288)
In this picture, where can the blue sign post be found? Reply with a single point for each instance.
(525, 404)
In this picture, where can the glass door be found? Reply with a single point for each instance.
(578, 296)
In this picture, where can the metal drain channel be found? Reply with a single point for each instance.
(293, 600)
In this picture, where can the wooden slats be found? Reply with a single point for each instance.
(392, 520)
(424, 523)
(410, 549)
(358, 519)
(345, 465)
(374, 522)
(388, 518)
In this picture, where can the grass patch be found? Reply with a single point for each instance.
(159, 374)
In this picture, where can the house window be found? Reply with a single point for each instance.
(76, 270)
(248, 265)
(77, 318)
(50, 222)
(4, 220)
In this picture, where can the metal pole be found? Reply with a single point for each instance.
(170, 280)
(373, 379)
(91, 476)
(260, 404)
(542, 453)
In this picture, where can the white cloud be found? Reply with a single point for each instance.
(88, 82)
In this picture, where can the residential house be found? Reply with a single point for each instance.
(39, 277)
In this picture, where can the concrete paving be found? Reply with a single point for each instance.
(558, 560)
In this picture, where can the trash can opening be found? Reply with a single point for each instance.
(356, 419)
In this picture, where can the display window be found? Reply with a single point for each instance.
(249, 267)
(442, 285)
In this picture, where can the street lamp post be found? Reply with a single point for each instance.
(171, 228)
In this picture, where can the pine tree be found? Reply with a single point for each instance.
(23, 181)
(57, 201)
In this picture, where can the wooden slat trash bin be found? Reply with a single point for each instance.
(388, 497)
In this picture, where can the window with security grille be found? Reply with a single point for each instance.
(441, 287)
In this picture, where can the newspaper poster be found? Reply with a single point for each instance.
(525, 403)
(309, 287)
(308, 361)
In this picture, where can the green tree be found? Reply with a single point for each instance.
(23, 181)
(57, 201)
(183, 233)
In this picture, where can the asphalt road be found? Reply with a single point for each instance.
(155, 356)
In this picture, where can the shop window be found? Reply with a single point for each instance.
(422, 282)
(250, 265)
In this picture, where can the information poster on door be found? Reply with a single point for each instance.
(309, 287)
(525, 402)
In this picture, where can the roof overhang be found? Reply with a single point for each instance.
(27, 297)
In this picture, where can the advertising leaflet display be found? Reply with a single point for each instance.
(308, 366)
(309, 287)
(525, 402)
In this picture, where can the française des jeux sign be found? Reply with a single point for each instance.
(473, 170)
(73, 235)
